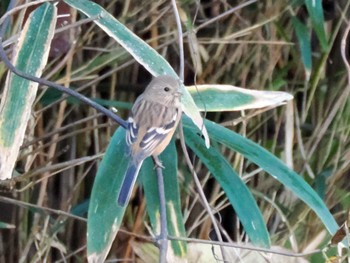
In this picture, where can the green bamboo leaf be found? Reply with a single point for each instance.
(4, 225)
(172, 195)
(237, 192)
(104, 216)
(140, 50)
(215, 97)
(19, 94)
(303, 36)
(211, 97)
(273, 166)
(315, 9)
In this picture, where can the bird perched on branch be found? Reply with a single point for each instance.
(151, 125)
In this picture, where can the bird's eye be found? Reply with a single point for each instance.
(166, 89)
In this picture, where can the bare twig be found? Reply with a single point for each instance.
(64, 128)
(162, 240)
(343, 51)
(46, 209)
(248, 247)
(180, 40)
(200, 190)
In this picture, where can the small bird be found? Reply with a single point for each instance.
(151, 125)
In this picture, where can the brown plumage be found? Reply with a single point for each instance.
(151, 125)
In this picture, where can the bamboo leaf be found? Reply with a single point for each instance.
(19, 94)
(315, 9)
(272, 165)
(237, 192)
(304, 43)
(215, 97)
(104, 216)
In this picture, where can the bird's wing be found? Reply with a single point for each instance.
(148, 124)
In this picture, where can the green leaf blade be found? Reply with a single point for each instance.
(4, 225)
(215, 97)
(315, 9)
(237, 192)
(104, 216)
(31, 57)
(303, 36)
(19, 94)
(274, 167)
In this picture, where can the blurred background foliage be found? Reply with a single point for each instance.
(268, 45)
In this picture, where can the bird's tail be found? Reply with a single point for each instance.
(129, 182)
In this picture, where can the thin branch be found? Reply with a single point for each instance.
(53, 170)
(60, 130)
(200, 190)
(180, 39)
(162, 239)
(343, 51)
(45, 209)
(8, 200)
(248, 247)
(72, 254)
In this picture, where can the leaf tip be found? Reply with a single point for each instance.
(96, 258)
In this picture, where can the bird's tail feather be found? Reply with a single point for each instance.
(129, 182)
